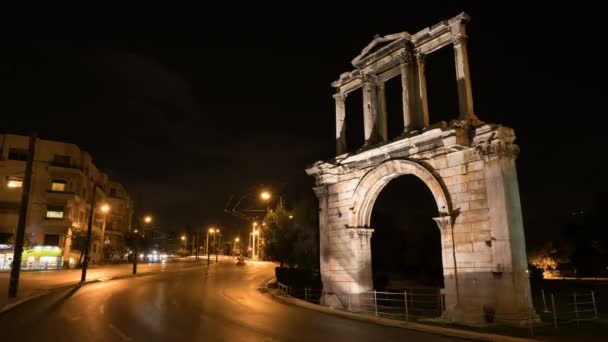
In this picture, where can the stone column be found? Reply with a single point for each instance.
(340, 99)
(321, 192)
(463, 77)
(360, 246)
(382, 126)
(512, 297)
(450, 269)
(409, 122)
(370, 109)
(423, 104)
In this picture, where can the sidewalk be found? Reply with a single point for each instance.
(36, 283)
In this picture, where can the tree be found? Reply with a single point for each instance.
(279, 236)
(28, 241)
(79, 241)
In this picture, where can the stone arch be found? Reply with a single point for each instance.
(374, 181)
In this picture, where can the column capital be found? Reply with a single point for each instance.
(497, 149)
(320, 191)
(459, 38)
(405, 57)
(340, 98)
(359, 232)
(368, 78)
(443, 222)
(420, 58)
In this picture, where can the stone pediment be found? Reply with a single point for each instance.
(379, 44)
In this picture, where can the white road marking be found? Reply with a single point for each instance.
(119, 333)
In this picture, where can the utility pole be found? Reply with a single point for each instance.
(20, 234)
(208, 253)
(83, 277)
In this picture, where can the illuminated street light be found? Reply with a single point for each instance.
(290, 217)
(183, 237)
(135, 231)
(236, 239)
(265, 195)
(105, 208)
(148, 219)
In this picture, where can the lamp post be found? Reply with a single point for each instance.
(211, 230)
(217, 231)
(146, 220)
(105, 208)
(236, 246)
(254, 242)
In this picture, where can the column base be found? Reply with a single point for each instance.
(480, 317)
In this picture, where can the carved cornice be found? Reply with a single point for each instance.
(497, 149)
(443, 222)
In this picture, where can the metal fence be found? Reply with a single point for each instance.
(412, 304)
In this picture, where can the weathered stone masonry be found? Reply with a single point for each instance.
(468, 165)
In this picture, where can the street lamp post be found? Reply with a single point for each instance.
(147, 220)
(216, 246)
(104, 208)
(236, 246)
(211, 230)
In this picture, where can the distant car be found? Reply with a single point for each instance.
(240, 261)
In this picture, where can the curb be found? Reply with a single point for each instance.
(451, 332)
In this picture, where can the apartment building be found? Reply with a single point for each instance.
(63, 181)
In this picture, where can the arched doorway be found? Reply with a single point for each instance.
(406, 243)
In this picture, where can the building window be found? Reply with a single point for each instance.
(14, 182)
(58, 185)
(17, 154)
(55, 212)
(51, 239)
(59, 160)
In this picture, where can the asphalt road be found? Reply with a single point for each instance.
(216, 303)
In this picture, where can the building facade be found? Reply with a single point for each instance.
(63, 181)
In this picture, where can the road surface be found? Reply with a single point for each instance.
(216, 303)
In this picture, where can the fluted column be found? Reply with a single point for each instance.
(340, 99)
(463, 77)
(423, 104)
(370, 109)
(409, 121)
(382, 125)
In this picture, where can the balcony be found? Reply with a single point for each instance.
(60, 195)
(66, 166)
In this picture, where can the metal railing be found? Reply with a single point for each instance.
(412, 304)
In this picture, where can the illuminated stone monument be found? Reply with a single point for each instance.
(468, 165)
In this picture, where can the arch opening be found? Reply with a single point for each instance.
(406, 243)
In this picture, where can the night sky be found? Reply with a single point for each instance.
(186, 110)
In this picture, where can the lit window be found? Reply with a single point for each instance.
(14, 182)
(57, 185)
(55, 212)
